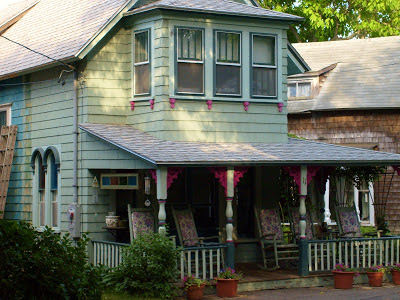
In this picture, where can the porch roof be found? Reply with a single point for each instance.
(295, 152)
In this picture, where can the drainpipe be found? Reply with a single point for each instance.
(75, 141)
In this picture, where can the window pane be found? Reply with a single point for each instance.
(3, 118)
(42, 206)
(190, 78)
(291, 90)
(264, 82)
(53, 173)
(304, 90)
(141, 46)
(142, 79)
(190, 43)
(228, 47)
(42, 176)
(263, 50)
(228, 80)
(54, 209)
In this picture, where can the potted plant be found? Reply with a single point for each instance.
(395, 270)
(194, 287)
(343, 276)
(375, 275)
(227, 282)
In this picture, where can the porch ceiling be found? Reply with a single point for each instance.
(295, 152)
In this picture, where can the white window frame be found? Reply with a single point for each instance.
(253, 65)
(143, 62)
(228, 64)
(297, 88)
(7, 108)
(202, 61)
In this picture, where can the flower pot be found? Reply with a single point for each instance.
(343, 280)
(227, 287)
(396, 277)
(195, 292)
(112, 221)
(375, 278)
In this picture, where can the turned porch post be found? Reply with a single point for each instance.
(303, 245)
(327, 212)
(230, 251)
(162, 197)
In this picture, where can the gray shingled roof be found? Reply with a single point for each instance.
(13, 10)
(367, 74)
(296, 151)
(56, 28)
(216, 7)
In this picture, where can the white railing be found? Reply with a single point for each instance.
(323, 255)
(204, 261)
(107, 253)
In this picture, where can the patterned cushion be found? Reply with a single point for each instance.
(187, 227)
(270, 223)
(349, 223)
(296, 223)
(142, 222)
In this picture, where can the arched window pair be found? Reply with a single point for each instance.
(45, 164)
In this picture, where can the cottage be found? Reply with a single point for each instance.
(162, 104)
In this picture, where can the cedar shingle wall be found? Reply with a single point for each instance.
(380, 127)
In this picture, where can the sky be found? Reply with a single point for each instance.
(4, 3)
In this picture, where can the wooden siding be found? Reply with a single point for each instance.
(18, 205)
(380, 127)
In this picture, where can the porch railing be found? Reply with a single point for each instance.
(107, 253)
(204, 261)
(323, 255)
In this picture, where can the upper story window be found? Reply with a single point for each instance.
(299, 90)
(5, 115)
(142, 63)
(228, 63)
(264, 68)
(190, 61)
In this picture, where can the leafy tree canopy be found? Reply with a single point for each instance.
(334, 20)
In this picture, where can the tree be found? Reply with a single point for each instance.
(339, 19)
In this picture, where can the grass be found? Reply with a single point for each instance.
(122, 296)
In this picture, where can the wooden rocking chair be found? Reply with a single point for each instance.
(349, 225)
(271, 238)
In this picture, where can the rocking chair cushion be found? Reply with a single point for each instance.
(349, 223)
(270, 224)
(188, 229)
(142, 222)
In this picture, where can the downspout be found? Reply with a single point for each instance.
(75, 141)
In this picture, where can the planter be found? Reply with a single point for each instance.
(112, 221)
(227, 287)
(195, 292)
(396, 277)
(343, 280)
(375, 278)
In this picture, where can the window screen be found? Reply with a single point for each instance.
(142, 63)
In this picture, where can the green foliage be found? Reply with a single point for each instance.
(333, 20)
(148, 268)
(44, 265)
(229, 273)
(189, 281)
(359, 175)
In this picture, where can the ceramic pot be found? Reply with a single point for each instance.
(112, 221)
(195, 292)
(343, 280)
(227, 287)
(375, 278)
(396, 277)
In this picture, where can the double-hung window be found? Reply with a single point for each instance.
(228, 63)
(142, 63)
(264, 70)
(53, 191)
(299, 90)
(190, 61)
(41, 192)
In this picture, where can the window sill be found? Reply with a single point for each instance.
(227, 99)
(56, 230)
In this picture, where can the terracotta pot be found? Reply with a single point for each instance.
(227, 287)
(396, 277)
(375, 278)
(195, 292)
(343, 280)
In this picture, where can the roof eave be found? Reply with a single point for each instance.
(16, 17)
(288, 19)
(299, 58)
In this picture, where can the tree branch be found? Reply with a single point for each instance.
(295, 34)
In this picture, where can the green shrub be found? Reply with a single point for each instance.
(44, 265)
(148, 268)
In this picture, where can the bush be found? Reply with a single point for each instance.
(148, 268)
(44, 265)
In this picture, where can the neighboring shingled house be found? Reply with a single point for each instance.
(351, 97)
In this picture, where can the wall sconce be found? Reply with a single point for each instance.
(147, 185)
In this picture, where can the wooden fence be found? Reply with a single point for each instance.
(107, 253)
(323, 255)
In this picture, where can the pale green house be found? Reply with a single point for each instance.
(107, 94)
